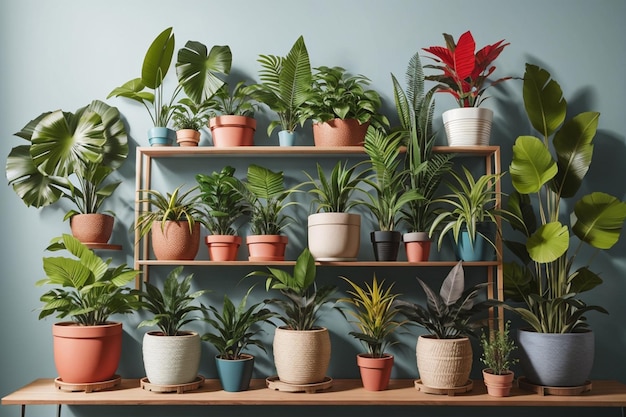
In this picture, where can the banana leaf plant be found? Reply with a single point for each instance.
(199, 72)
(548, 278)
(69, 155)
(285, 86)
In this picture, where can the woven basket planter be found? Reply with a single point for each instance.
(301, 356)
(171, 360)
(443, 363)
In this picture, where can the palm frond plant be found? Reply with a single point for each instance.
(374, 312)
(236, 326)
(547, 278)
(333, 194)
(285, 86)
(237, 101)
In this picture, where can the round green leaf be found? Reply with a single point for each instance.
(532, 165)
(598, 219)
(548, 243)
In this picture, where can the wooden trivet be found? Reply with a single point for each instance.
(177, 388)
(444, 391)
(88, 387)
(276, 384)
(524, 384)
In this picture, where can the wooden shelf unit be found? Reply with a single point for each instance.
(344, 392)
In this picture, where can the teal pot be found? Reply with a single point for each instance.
(286, 138)
(386, 244)
(556, 359)
(235, 374)
(481, 249)
(161, 136)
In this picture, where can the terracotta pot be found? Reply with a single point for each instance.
(174, 241)
(416, 246)
(339, 132)
(86, 354)
(345, 229)
(188, 137)
(468, 126)
(443, 363)
(223, 247)
(232, 130)
(498, 385)
(92, 228)
(266, 247)
(171, 360)
(375, 372)
(301, 356)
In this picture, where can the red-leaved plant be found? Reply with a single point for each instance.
(464, 71)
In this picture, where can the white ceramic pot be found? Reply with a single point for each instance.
(334, 236)
(468, 126)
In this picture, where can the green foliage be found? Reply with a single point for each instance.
(89, 289)
(425, 168)
(451, 313)
(237, 102)
(333, 194)
(546, 172)
(189, 115)
(337, 94)
(303, 298)
(285, 86)
(497, 350)
(69, 155)
(198, 72)
(236, 326)
(176, 206)
(387, 179)
(171, 308)
(375, 312)
(218, 192)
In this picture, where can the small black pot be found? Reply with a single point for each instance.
(386, 244)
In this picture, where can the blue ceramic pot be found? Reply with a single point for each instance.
(480, 249)
(161, 136)
(235, 374)
(286, 138)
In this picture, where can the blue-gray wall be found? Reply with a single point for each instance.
(64, 53)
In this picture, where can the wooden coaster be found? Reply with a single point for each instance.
(524, 384)
(88, 387)
(177, 388)
(276, 384)
(444, 391)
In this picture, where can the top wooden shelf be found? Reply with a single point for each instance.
(290, 151)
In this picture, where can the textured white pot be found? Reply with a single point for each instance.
(301, 356)
(334, 236)
(468, 126)
(171, 360)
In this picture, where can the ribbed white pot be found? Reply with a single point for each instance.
(301, 356)
(468, 126)
(171, 360)
(444, 363)
(334, 236)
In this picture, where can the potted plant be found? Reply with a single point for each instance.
(444, 355)
(375, 314)
(232, 121)
(235, 329)
(301, 347)
(171, 355)
(189, 119)
(547, 173)
(389, 194)
(70, 156)
(198, 72)
(464, 74)
(218, 191)
(265, 194)
(497, 349)
(333, 198)
(470, 212)
(88, 290)
(285, 87)
(173, 221)
(426, 169)
(342, 107)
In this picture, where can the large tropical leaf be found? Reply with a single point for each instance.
(264, 183)
(34, 188)
(158, 59)
(295, 79)
(543, 100)
(115, 149)
(548, 243)
(574, 150)
(453, 286)
(532, 165)
(201, 73)
(598, 219)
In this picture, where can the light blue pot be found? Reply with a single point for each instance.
(286, 138)
(235, 375)
(481, 249)
(161, 136)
